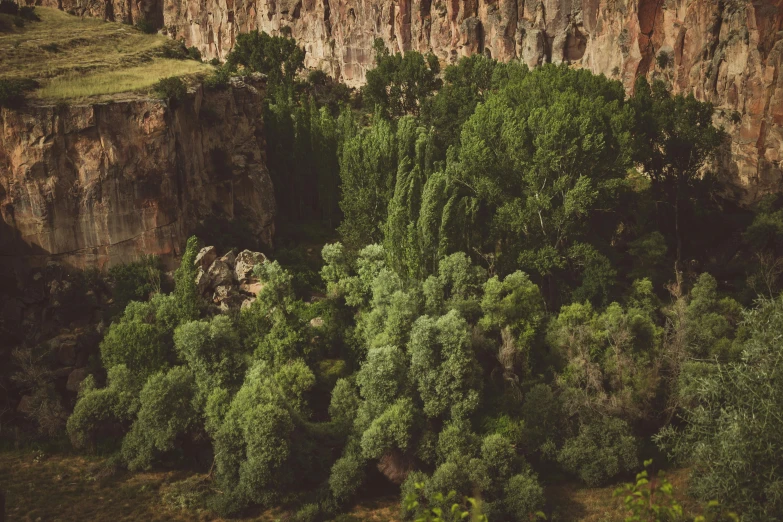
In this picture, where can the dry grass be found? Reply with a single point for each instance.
(75, 57)
(574, 502)
(71, 488)
(116, 81)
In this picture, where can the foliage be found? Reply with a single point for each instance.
(146, 27)
(171, 88)
(603, 449)
(733, 429)
(166, 411)
(399, 82)
(276, 56)
(13, 92)
(136, 281)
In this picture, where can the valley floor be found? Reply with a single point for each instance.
(69, 488)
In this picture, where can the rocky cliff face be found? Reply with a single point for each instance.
(99, 184)
(724, 51)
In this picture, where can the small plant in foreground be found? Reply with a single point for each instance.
(652, 500)
(457, 511)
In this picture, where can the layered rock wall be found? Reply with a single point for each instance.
(100, 184)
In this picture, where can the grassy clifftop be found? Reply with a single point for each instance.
(76, 58)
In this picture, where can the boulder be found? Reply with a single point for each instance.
(245, 262)
(202, 281)
(223, 292)
(230, 258)
(251, 287)
(205, 257)
(64, 347)
(75, 379)
(220, 273)
(317, 322)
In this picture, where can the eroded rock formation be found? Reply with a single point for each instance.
(99, 184)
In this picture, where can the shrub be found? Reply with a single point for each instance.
(27, 12)
(194, 53)
(146, 27)
(524, 497)
(175, 50)
(96, 408)
(135, 281)
(733, 431)
(603, 449)
(214, 61)
(141, 339)
(167, 410)
(664, 59)
(12, 92)
(9, 7)
(346, 476)
(172, 88)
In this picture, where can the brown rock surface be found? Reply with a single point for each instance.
(99, 184)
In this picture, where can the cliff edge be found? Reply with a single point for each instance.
(99, 183)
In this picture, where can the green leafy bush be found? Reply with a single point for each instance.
(172, 88)
(13, 92)
(603, 450)
(146, 27)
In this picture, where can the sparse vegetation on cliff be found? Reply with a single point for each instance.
(92, 58)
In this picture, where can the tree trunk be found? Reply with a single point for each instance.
(2, 505)
(677, 231)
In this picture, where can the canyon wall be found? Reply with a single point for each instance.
(98, 184)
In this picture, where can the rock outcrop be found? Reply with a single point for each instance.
(98, 184)
(228, 282)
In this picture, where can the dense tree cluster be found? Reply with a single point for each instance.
(526, 289)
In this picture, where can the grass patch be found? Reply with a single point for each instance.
(117, 81)
(73, 57)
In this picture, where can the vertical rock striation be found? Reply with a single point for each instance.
(99, 184)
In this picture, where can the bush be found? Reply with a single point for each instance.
(172, 88)
(603, 449)
(346, 476)
(524, 497)
(9, 7)
(141, 339)
(27, 12)
(13, 92)
(194, 53)
(664, 59)
(167, 411)
(135, 281)
(146, 27)
(733, 433)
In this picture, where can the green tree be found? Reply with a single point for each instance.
(675, 139)
(278, 57)
(400, 83)
(732, 429)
